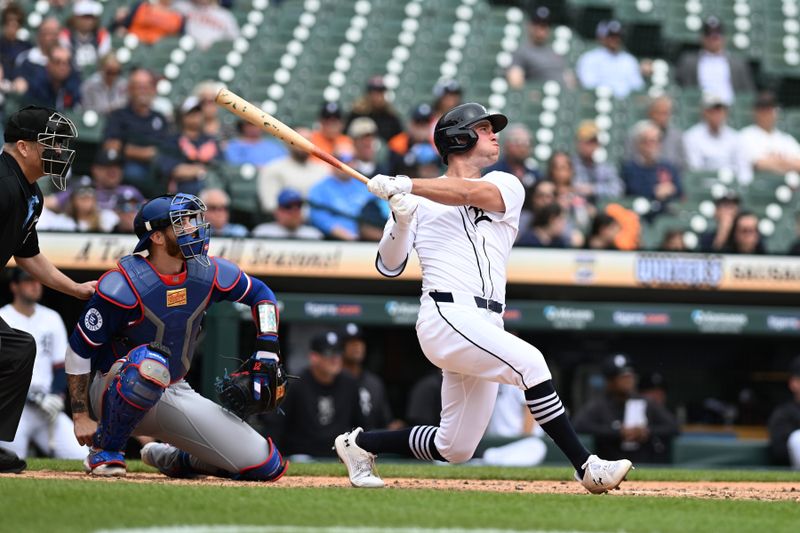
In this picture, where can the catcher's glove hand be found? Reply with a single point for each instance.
(259, 386)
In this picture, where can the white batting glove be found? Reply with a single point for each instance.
(385, 186)
(50, 404)
(403, 206)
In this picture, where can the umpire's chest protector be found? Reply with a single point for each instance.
(172, 314)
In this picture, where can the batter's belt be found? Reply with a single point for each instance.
(466, 299)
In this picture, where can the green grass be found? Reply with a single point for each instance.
(426, 471)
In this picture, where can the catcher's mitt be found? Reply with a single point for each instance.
(259, 386)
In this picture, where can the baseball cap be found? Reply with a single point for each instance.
(586, 131)
(327, 344)
(712, 26)
(87, 7)
(711, 100)
(540, 15)
(17, 275)
(376, 83)
(288, 197)
(351, 331)
(108, 157)
(423, 154)
(83, 184)
(127, 198)
(361, 127)
(607, 28)
(192, 103)
(616, 365)
(764, 100)
(422, 113)
(653, 380)
(447, 87)
(27, 123)
(330, 110)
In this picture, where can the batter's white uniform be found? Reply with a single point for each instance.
(463, 252)
(55, 438)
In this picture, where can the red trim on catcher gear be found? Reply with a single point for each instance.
(87, 339)
(138, 297)
(270, 449)
(118, 304)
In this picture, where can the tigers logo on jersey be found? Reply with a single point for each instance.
(176, 297)
(480, 215)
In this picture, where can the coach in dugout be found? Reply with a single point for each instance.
(36, 144)
(784, 424)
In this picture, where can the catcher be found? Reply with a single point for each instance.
(136, 338)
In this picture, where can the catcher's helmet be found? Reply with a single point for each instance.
(453, 132)
(184, 212)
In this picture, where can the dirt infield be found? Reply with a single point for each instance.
(723, 490)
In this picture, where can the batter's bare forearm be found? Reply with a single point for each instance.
(457, 191)
(78, 385)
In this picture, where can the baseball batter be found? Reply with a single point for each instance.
(462, 227)
(138, 334)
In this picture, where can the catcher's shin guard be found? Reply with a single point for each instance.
(135, 389)
(270, 470)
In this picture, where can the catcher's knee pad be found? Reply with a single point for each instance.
(270, 470)
(137, 387)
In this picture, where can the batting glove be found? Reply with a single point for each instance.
(403, 206)
(385, 186)
(50, 404)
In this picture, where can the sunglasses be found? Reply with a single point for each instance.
(293, 205)
(217, 207)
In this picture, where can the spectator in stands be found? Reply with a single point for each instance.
(330, 137)
(726, 211)
(11, 19)
(372, 219)
(660, 113)
(603, 234)
(83, 35)
(517, 156)
(593, 180)
(549, 225)
(106, 90)
(82, 208)
(296, 171)
(106, 171)
(713, 69)
(630, 228)
(207, 91)
(535, 59)
(623, 423)
(371, 390)
(289, 220)
(446, 95)
(324, 402)
(336, 203)
(418, 131)
(207, 22)
(647, 174)
(150, 21)
(784, 423)
(57, 85)
(745, 237)
(127, 203)
(711, 144)
(425, 161)
(425, 400)
(251, 146)
(374, 105)
(187, 158)
(136, 131)
(543, 193)
(609, 65)
(362, 131)
(218, 214)
(577, 209)
(762, 146)
(672, 241)
(794, 249)
(46, 39)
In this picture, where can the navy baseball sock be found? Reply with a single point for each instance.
(549, 412)
(416, 441)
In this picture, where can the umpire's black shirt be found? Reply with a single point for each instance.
(20, 207)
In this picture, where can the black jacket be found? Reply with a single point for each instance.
(784, 420)
(20, 206)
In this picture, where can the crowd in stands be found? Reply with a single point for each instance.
(152, 145)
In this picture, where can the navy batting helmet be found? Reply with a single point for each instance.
(454, 134)
(184, 212)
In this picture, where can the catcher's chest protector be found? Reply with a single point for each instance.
(172, 313)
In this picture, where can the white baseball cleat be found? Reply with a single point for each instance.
(601, 476)
(359, 462)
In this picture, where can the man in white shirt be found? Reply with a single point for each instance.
(764, 148)
(43, 419)
(609, 65)
(462, 226)
(711, 144)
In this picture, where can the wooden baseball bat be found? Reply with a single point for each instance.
(254, 115)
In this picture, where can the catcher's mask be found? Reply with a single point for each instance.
(50, 129)
(185, 213)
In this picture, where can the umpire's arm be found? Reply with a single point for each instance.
(43, 270)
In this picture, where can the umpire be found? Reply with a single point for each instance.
(36, 144)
